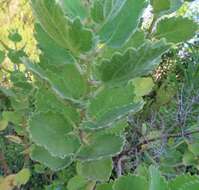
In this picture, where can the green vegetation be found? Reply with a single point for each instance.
(94, 96)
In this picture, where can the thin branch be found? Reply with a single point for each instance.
(167, 137)
(119, 165)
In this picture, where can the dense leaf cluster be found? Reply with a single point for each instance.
(91, 77)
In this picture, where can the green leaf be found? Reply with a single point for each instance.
(15, 36)
(44, 104)
(136, 40)
(97, 11)
(74, 8)
(160, 5)
(23, 176)
(156, 180)
(192, 186)
(142, 86)
(166, 7)
(100, 146)
(108, 5)
(69, 35)
(52, 53)
(16, 55)
(97, 170)
(133, 63)
(51, 130)
(194, 148)
(67, 82)
(121, 22)
(118, 128)
(13, 116)
(2, 56)
(132, 182)
(171, 29)
(105, 186)
(3, 124)
(81, 38)
(43, 156)
(58, 67)
(181, 180)
(189, 158)
(110, 105)
(174, 6)
(80, 183)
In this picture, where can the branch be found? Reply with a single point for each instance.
(147, 141)
(185, 134)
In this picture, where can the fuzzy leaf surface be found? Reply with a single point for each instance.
(41, 155)
(50, 130)
(121, 22)
(133, 63)
(110, 105)
(69, 35)
(74, 8)
(80, 183)
(156, 180)
(130, 181)
(97, 170)
(177, 29)
(160, 5)
(105, 186)
(181, 180)
(100, 146)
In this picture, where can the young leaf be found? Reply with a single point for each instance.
(171, 29)
(100, 146)
(22, 176)
(122, 22)
(41, 155)
(97, 170)
(51, 130)
(14, 36)
(3, 124)
(142, 86)
(132, 182)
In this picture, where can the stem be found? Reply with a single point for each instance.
(4, 45)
